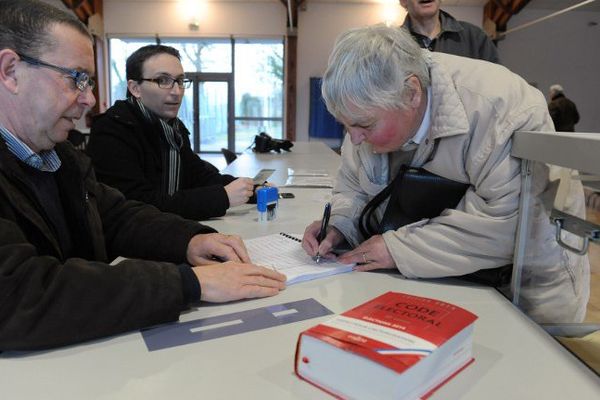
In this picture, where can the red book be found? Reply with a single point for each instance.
(395, 346)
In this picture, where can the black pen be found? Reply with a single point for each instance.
(323, 231)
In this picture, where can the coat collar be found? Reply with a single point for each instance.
(447, 24)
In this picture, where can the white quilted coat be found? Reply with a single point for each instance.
(476, 107)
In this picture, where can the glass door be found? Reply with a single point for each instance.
(211, 118)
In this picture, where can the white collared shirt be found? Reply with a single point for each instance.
(46, 160)
(414, 142)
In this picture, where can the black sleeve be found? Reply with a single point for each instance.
(135, 229)
(190, 286)
(554, 111)
(488, 50)
(121, 160)
(47, 303)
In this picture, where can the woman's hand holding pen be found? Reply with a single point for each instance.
(311, 245)
(371, 254)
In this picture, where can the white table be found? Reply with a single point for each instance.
(304, 155)
(514, 358)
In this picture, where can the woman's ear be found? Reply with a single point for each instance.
(134, 88)
(8, 70)
(414, 91)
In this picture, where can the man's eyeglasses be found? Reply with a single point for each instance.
(82, 79)
(166, 82)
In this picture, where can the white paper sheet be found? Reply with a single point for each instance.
(286, 255)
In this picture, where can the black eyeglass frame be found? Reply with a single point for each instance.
(183, 83)
(82, 79)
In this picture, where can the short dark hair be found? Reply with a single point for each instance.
(135, 62)
(25, 24)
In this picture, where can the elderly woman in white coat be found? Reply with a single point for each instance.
(454, 117)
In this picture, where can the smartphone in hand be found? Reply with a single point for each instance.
(261, 177)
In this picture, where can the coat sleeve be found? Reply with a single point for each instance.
(554, 111)
(488, 50)
(351, 193)
(121, 161)
(134, 229)
(46, 302)
(206, 187)
(480, 232)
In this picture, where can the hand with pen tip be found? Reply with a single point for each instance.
(319, 238)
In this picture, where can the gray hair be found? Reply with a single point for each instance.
(24, 25)
(556, 88)
(369, 68)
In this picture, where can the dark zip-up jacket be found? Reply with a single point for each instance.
(564, 113)
(459, 38)
(126, 151)
(49, 299)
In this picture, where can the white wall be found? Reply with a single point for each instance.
(563, 50)
(168, 18)
(560, 50)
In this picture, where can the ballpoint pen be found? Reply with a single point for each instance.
(323, 231)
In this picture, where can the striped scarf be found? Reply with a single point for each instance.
(171, 137)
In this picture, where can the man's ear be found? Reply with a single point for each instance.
(8, 70)
(415, 91)
(134, 88)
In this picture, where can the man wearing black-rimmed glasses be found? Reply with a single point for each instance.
(140, 146)
(59, 227)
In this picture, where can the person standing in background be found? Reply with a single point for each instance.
(562, 110)
(437, 30)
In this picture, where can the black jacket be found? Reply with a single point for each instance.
(459, 38)
(126, 152)
(564, 113)
(48, 298)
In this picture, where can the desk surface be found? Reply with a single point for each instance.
(514, 358)
(304, 155)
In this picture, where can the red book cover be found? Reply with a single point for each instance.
(396, 331)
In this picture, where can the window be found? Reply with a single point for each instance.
(255, 66)
(258, 90)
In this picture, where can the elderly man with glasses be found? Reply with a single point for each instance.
(140, 146)
(59, 227)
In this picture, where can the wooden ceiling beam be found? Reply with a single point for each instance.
(83, 9)
(291, 62)
(497, 13)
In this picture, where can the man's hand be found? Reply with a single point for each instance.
(311, 245)
(234, 281)
(211, 248)
(239, 191)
